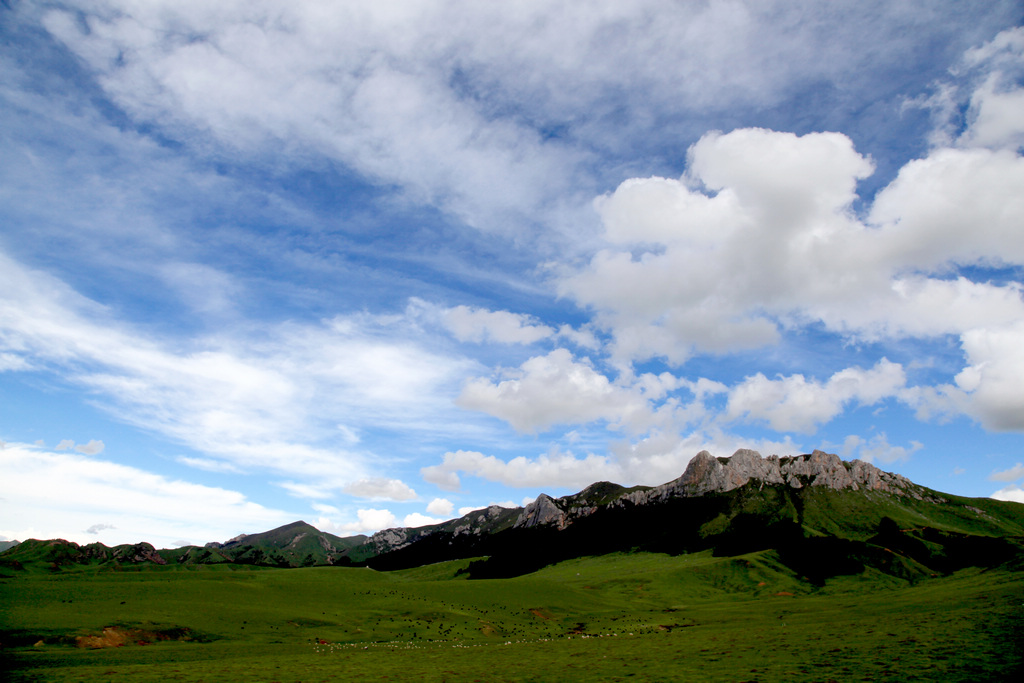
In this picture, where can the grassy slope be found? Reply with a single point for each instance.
(673, 617)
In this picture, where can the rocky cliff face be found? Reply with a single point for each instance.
(541, 512)
(708, 474)
(477, 522)
(387, 540)
(704, 475)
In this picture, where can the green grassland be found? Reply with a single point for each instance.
(638, 616)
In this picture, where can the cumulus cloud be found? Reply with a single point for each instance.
(777, 244)
(794, 403)
(878, 449)
(442, 507)
(368, 521)
(477, 325)
(992, 377)
(97, 528)
(760, 236)
(1012, 474)
(371, 520)
(1013, 494)
(994, 118)
(654, 459)
(556, 389)
(380, 489)
(416, 519)
(452, 102)
(556, 469)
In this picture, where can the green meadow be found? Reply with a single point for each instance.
(639, 617)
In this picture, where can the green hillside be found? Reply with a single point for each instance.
(819, 532)
(641, 616)
(294, 545)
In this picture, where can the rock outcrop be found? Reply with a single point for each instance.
(704, 475)
(541, 512)
(707, 474)
(390, 539)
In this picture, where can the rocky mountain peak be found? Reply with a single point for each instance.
(541, 512)
(707, 474)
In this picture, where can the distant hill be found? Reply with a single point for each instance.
(6, 545)
(823, 516)
(294, 545)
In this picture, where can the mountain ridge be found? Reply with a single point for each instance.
(794, 504)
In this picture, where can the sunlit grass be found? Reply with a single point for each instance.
(636, 616)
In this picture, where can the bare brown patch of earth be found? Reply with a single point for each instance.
(120, 636)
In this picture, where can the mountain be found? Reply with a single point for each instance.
(293, 545)
(823, 517)
(59, 554)
(820, 515)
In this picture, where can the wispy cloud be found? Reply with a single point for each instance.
(41, 489)
(373, 252)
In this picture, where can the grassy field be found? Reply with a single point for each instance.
(618, 617)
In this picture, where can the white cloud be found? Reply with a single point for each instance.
(992, 378)
(266, 402)
(878, 449)
(368, 521)
(794, 403)
(710, 267)
(442, 507)
(583, 338)
(1012, 474)
(997, 120)
(994, 118)
(955, 206)
(416, 519)
(477, 325)
(760, 236)
(11, 361)
(556, 389)
(447, 101)
(380, 489)
(1014, 494)
(64, 445)
(202, 288)
(556, 469)
(654, 459)
(207, 465)
(95, 529)
(777, 244)
(42, 490)
(94, 447)
(313, 491)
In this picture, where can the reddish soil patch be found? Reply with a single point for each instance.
(784, 594)
(119, 636)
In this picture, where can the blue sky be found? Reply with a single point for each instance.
(374, 266)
